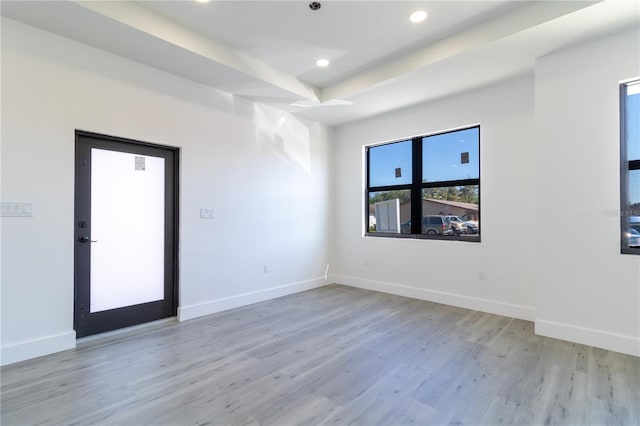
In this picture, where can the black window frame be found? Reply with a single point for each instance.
(416, 186)
(626, 166)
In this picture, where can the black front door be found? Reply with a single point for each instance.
(125, 233)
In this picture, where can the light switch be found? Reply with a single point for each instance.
(206, 213)
(13, 209)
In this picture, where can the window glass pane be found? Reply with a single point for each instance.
(126, 271)
(390, 211)
(458, 205)
(451, 156)
(390, 164)
(633, 231)
(632, 121)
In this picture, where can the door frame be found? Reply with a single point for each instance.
(98, 322)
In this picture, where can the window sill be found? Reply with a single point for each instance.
(466, 238)
(626, 250)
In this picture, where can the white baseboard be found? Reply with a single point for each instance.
(213, 306)
(38, 347)
(587, 336)
(60, 342)
(500, 308)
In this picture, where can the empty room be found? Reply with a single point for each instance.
(312, 213)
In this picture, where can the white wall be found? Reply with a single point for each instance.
(587, 291)
(266, 174)
(269, 176)
(550, 202)
(448, 271)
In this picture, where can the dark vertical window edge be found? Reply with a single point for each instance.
(625, 168)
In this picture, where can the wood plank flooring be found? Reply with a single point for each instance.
(330, 356)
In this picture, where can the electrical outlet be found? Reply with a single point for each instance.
(265, 268)
(481, 276)
(365, 261)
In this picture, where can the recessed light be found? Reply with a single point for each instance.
(418, 16)
(203, 1)
(322, 63)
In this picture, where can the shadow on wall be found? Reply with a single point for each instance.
(284, 134)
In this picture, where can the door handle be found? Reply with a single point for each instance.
(85, 239)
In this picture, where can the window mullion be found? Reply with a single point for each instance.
(416, 187)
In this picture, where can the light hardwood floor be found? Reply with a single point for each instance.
(335, 355)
